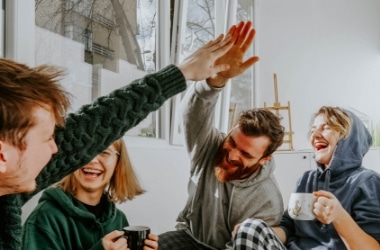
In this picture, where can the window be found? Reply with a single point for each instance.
(204, 20)
(104, 45)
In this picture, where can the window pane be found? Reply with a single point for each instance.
(201, 27)
(242, 94)
(103, 45)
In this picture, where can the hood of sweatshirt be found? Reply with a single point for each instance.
(348, 154)
(264, 172)
(68, 204)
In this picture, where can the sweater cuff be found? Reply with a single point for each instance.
(205, 91)
(171, 79)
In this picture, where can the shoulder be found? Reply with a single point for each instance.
(47, 209)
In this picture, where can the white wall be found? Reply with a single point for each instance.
(164, 172)
(324, 53)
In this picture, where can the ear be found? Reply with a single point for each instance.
(3, 160)
(265, 159)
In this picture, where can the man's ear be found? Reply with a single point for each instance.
(265, 159)
(3, 159)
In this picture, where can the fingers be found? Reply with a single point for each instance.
(232, 31)
(239, 28)
(153, 237)
(219, 44)
(323, 193)
(248, 63)
(248, 40)
(151, 242)
(113, 235)
(244, 33)
(114, 240)
(214, 42)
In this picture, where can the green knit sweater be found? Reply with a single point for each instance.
(89, 131)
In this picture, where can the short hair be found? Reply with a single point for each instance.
(124, 184)
(336, 118)
(23, 89)
(262, 122)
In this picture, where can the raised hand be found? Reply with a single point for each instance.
(243, 35)
(202, 63)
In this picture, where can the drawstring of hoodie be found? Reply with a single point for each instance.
(327, 180)
(325, 187)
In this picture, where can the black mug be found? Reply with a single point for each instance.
(135, 236)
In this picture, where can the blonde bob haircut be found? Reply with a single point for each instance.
(336, 118)
(124, 184)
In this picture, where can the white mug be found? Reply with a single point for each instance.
(301, 205)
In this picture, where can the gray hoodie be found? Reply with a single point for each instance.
(357, 188)
(214, 208)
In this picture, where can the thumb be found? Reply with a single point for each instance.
(113, 235)
(220, 68)
(322, 193)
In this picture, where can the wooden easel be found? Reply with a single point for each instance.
(288, 138)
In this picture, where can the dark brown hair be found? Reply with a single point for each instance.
(262, 122)
(22, 89)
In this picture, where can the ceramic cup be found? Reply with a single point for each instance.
(300, 206)
(135, 236)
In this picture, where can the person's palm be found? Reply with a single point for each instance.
(234, 57)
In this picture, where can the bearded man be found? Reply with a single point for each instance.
(231, 176)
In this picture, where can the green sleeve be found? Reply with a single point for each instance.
(95, 126)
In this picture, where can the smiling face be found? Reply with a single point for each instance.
(95, 176)
(20, 167)
(323, 139)
(240, 155)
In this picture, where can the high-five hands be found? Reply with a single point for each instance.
(201, 64)
(243, 35)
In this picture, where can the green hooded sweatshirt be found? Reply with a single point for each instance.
(61, 222)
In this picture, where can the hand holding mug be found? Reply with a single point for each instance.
(327, 207)
(114, 240)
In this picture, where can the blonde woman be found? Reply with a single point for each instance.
(80, 211)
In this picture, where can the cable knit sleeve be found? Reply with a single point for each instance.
(95, 126)
(89, 131)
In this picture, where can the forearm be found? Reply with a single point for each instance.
(352, 235)
(280, 234)
(95, 126)
(198, 111)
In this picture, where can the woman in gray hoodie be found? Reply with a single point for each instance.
(347, 194)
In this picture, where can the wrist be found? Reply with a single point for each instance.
(216, 82)
(185, 72)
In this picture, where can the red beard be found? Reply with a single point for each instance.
(238, 172)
